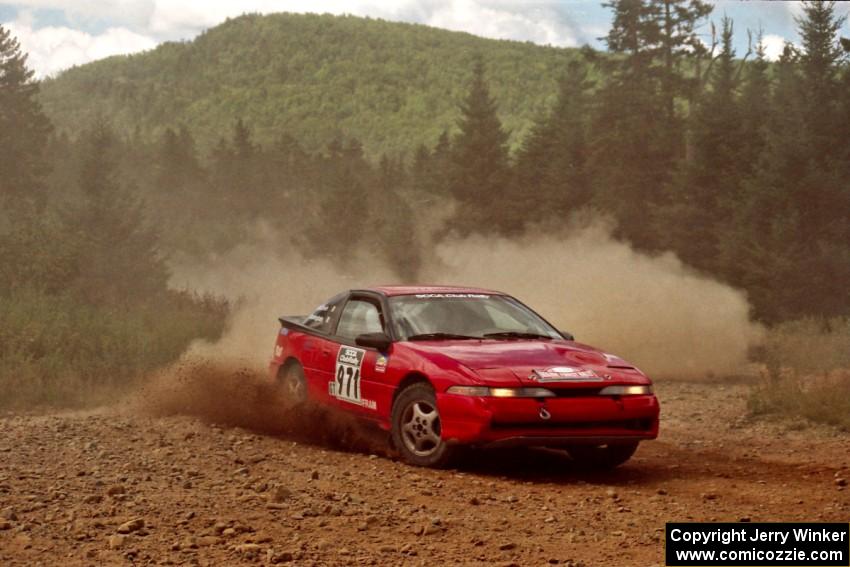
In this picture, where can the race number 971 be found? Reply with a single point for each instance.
(346, 383)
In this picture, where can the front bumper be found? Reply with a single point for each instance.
(591, 419)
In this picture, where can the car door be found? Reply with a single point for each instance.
(316, 348)
(354, 367)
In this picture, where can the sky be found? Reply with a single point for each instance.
(58, 34)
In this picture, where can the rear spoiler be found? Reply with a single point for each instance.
(295, 322)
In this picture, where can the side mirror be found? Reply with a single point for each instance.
(567, 335)
(379, 341)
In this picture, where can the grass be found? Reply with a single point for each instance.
(807, 372)
(58, 351)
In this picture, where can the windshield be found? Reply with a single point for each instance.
(462, 315)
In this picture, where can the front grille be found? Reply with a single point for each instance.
(643, 424)
(574, 392)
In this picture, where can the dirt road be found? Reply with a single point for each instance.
(115, 486)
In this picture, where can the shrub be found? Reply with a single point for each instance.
(807, 372)
(58, 350)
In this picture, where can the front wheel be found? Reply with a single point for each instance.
(416, 428)
(601, 457)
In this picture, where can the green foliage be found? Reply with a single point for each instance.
(706, 192)
(57, 350)
(390, 85)
(478, 171)
(84, 305)
(807, 376)
(117, 255)
(23, 135)
(640, 139)
(551, 177)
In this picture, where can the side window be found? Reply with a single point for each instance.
(359, 317)
(322, 317)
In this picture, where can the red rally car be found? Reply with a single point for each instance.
(441, 368)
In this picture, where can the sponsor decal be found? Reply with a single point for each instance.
(565, 373)
(381, 363)
(278, 351)
(346, 383)
(452, 295)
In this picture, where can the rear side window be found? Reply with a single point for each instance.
(357, 318)
(323, 316)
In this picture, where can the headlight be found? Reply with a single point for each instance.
(626, 391)
(469, 390)
(484, 391)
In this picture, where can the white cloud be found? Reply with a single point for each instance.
(540, 25)
(795, 8)
(140, 24)
(488, 18)
(773, 46)
(52, 49)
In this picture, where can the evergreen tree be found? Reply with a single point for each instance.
(117, 254)
(551, 177)
(677, 23)
(395, 230)
(630, 158)
(754, 107)
(820, 62)
(706, 197)
(822, 193)
(770, 247)
(479, 161)
(24, 131)
(345, 198)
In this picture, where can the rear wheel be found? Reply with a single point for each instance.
(416, 428)
(600, 457)
(294, 385)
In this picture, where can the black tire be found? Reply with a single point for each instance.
(602, 457)
(293, 385)
(416, 428)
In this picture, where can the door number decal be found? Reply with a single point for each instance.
(346, 383)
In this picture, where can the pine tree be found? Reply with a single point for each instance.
(754, 104)
(551, 179)
(705, 199)
(479, 161)
(820, 62)
(24, 131)
(630, 158)
(822, 192)
(394, 233)
(677, 23)
(118, 255)
(345, 196)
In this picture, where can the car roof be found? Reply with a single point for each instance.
(391, 290)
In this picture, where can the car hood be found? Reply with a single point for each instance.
(494, 360)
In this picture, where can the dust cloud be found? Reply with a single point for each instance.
(652, 310)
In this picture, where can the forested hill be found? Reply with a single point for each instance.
(390, 85)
